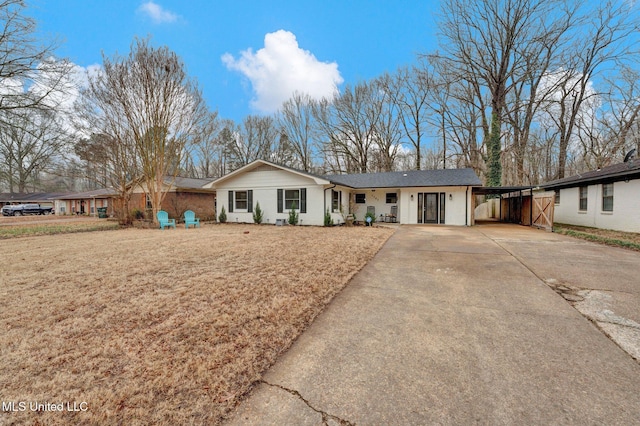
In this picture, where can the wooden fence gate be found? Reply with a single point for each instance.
(542, 214)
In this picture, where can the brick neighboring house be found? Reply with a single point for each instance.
(182, 194)
(85, 203)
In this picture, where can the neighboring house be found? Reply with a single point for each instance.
(182, 194)
(418, 196)
(43, 198)
(607, 198)
(85, 203)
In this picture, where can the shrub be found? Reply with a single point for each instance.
(371, 215)
(223, 216)
(137, 214)
(328, 220)
(257, 214)
(293, 215)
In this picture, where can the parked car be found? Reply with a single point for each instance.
(24, 209)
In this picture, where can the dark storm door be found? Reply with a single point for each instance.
(431, 207)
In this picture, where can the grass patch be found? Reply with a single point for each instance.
(162, 327)
(628, 240)
(15, 231)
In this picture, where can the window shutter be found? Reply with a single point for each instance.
(250, 201)
(303, 200)
(280, 200)
(230, 202)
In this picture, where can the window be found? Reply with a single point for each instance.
(392, 197)
(288, 197)
(241, 200)
(557, 191)
(361, 199)
(583, 198)
(336, 201)
(148, 205)
(607, 197)
(291, 199)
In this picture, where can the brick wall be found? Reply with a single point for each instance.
(176, 203)
(203, 204)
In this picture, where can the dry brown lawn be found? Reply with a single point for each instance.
(161, 327)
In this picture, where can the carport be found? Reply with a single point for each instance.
(514, 206)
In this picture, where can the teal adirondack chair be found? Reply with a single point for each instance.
(163, 219)
(191, 219)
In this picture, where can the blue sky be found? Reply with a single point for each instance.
(338, 42)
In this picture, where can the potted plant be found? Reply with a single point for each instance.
(369, 218)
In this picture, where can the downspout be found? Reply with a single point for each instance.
(466, 207)
(325, 199)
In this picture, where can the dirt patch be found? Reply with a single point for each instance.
(629, 240)
(164, 327)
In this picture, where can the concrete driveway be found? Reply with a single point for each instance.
(466, 325)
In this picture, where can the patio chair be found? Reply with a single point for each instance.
(164, 221)
(191, 219)
(392, 216)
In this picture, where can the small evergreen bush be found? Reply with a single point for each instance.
(293, 215)
(257, 214)
(223, 216)
(328, 220)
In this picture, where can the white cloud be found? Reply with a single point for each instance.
(281, 68)
(157, 13)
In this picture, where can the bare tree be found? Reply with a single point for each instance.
(30, 142)
(296, 121)
(28, 71)
(488, 42)
(349, 123)
(388, 134)
(256, 138)
(602, 41)
(624, 100)
(160, 110)
(205, 154)
(409, 90)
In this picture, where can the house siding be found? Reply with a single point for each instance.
(376, 198)
(265, 180)
(626, 207)
(457, 209)
(265, 185)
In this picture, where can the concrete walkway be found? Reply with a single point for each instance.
(463, 326)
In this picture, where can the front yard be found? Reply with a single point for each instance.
(169, 327)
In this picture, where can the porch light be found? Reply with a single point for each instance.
(450, 197)
(411, 197)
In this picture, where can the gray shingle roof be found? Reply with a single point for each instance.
(30, 197)
(97, 193)
(188, 183)
(620, 171)
(411, 178)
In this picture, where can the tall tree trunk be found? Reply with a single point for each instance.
(494, 166)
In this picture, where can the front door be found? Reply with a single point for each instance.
(431, 207)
